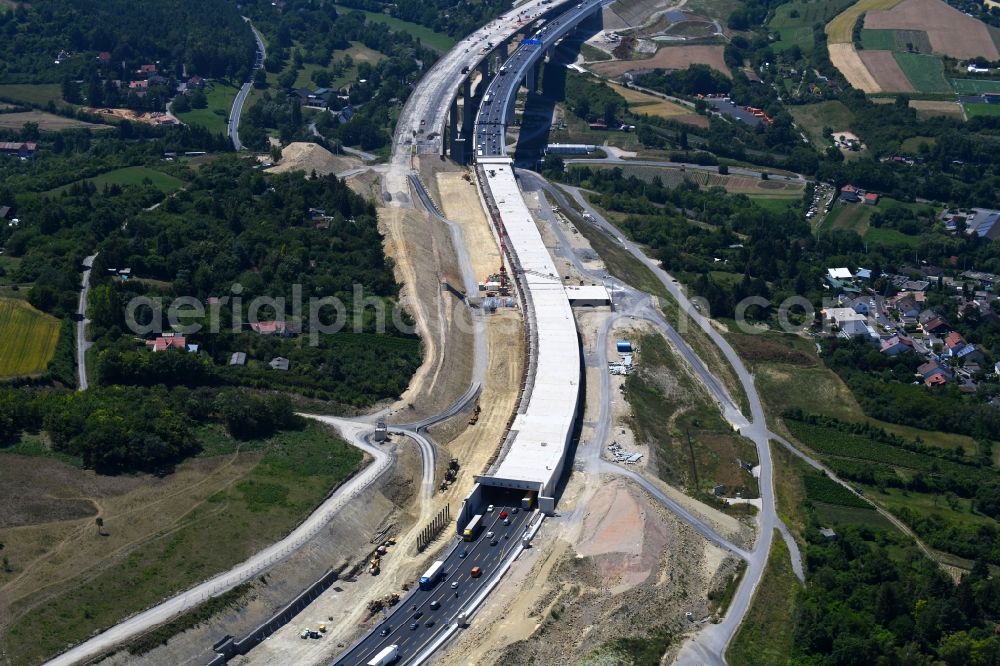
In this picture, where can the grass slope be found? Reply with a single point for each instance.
(435, 40)
(793, 21)
(136, 175)
(766, 636)
(214, 117)
(295, 473)
(38, 94)
(28, 336)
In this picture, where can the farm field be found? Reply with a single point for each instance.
(668, 57)
(214, 117)
(925, 72)
(840, 29)
(975, 86)
(877, 40)
(812, 118)
(927, 108)
(156, 530)
(844, 57)
(797, 30)
(38, 94)
(640, 102)
(949, 31)
(440, 42)
(973, 110)
(47, 122)
(29, 338)
(889, 238)
(131, 176)
(885, 67)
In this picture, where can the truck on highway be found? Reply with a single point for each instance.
(432, 575)
(388, 655)
(473, 527)
(528, 501)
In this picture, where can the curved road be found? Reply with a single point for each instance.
(351, 431)
(81, 325)
(241, 96)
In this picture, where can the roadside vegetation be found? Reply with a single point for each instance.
(691, 446)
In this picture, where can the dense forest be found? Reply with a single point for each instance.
(44, 42)
(119, 429)
(874, 598)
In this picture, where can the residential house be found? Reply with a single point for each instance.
(863, 274)
(238, 358)
(970, 355)
(19, 148)
(279, 363)
(849, 194)
(195, 82)
(859, 304)
(850, 323)
(839, 273)
(138, 85)
(165, 342)
(915, 285)
(906, 306)
(147, 69)
(953, 343)
(285, 329)
(896, 345)
(936, 325)
(871, 199)
(935, 374)
(996, 368)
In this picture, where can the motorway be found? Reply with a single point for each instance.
(397, 625)
(492, 121)
(81, 325)
(422, 119)
(241, 96)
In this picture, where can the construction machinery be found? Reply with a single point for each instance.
(475, 414)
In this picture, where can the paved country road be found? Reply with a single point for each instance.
(81, 325)
(241, 96)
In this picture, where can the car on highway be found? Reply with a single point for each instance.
(454, 584)
(490, 535)
(506, 521)
(493, 542)
(476, 572)
(514, 510)
(489, 509)
(429, 623)
(418, 615)
(463, 554)
(386, 630)
(435, 604)
(503, 514)
(414, 625)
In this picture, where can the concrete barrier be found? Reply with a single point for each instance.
(229, 647)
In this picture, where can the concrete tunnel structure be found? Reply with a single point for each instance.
(535, 447)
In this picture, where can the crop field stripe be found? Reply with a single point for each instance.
(925, 72)
(878, 40)
(29, 338)
(975, 86)
(840, 30)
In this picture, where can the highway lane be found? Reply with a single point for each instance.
(241, 96)
(457, 570)
(81, 324)
(492, 121)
